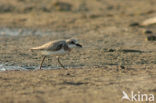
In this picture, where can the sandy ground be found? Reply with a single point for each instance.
(116, 56)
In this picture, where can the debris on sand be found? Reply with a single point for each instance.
(123, 50)
(149, 21)
(148, 32)
(4, 8)
(151, 37)
(134, 24)
(62, 6)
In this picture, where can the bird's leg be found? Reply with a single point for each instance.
(60, 63)
(42, 62)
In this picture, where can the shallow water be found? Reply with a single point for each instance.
(4, 67)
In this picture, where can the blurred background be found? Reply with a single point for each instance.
(73, 14)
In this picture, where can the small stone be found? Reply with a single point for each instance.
(111, 50)
(148, 32)
(62, 6)
(151, 38)
(149, 21)
(122, 67)
(134, 24)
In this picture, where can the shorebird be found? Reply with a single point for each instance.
(57, 48)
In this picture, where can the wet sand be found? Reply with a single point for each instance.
(116, 56)
(74, 85)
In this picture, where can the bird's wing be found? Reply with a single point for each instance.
(57, 45)
(53, 45)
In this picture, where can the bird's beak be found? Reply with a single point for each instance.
(79, 45)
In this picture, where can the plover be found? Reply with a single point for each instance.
(57, 48)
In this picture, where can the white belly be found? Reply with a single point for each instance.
(55, 53)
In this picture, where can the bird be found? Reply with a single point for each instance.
(57, 48)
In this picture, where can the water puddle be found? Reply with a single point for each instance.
(5, 68)
(24, 31)
(20, 68)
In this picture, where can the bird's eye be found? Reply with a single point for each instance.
(72, 42)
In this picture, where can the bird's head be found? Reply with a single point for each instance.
(72, 43)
